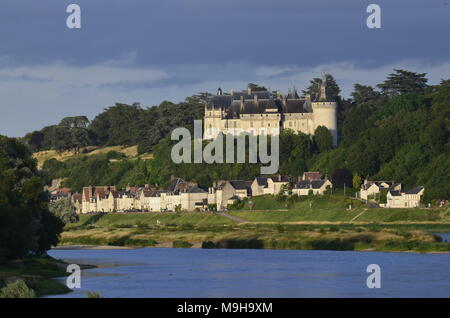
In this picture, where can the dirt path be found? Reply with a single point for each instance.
(358, 215)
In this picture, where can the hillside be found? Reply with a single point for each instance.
(399, 132)
(128, 152)
(328, 226)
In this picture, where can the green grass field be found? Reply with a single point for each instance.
(148, 219)
(334, 208)
(341, 215)
(325, 222)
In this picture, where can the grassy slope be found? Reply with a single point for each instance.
(332, 209)
(326, 226)
(150, 219)
(38, 273)
(129, 152)
(141, 229)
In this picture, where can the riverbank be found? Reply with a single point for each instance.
(189, 230)
(90, 247)
(38, 273)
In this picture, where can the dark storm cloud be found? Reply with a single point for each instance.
(149, 51)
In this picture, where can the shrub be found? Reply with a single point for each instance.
(181, 244)
(336, 244)
(93, 295)
(208, 244)
(17, 289)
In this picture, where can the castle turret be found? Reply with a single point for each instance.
(325, 111)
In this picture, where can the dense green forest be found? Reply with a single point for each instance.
(118, 125)
(398, 130)
(27, 227)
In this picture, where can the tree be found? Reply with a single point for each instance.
(36, 140)
(357, 180)
(323, 139)
(401, 82)
(342, 178)
(332, 87)
(64, 210)
(80, 138)
(363, 94)
(75, 122)
(356, 121)
(255, 87)
(26, 225)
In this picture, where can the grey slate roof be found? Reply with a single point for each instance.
(415, 190)
(395, 193)
(231, 104)
(262, 181)
(239, 184)
(195, 189)
(307, 184)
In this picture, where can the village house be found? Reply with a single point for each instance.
(180, 195)
(370, 189)
(269, 185)
(311, 176)
(407, 199)
(93, 197)
(228, 192)
(315, 187)
(65, 193)
(77, 202)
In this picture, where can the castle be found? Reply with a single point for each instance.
(263, 112)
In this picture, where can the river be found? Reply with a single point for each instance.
(170, 272)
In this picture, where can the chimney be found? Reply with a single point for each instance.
(255, 98)
(231, 92)
(249, 91)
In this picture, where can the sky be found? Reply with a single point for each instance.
(148, 51)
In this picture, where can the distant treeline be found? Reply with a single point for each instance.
(397, 131)
(120, 124)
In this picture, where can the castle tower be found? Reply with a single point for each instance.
(212, 118)
(325, 111)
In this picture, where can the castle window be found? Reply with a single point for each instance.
(268, 124)
(251, 124)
